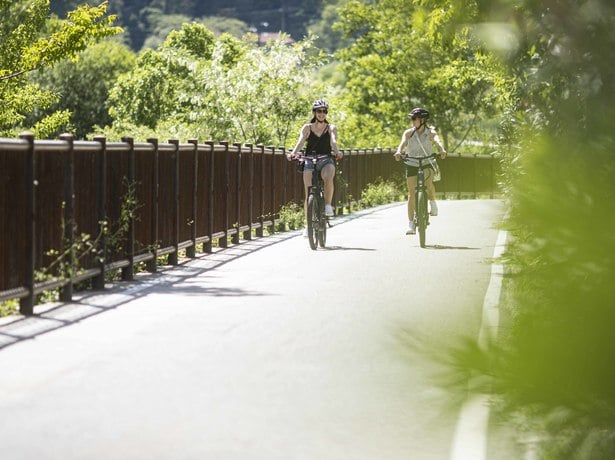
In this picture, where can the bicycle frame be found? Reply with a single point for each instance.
(421, 213)
(317, 221)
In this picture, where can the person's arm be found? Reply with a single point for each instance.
(303, 135)
(436, 140)
(333, 131)
(402, 144)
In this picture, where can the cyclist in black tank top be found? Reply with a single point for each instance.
(321, 138)
(318, 145)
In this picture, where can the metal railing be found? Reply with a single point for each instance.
(69, 197)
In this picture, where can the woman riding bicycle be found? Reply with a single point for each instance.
(321, 138)
(418, 142)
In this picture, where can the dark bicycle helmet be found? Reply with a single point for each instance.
(419, 113)
(320, 104)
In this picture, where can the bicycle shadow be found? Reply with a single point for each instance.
(440, 246)
(344, 248)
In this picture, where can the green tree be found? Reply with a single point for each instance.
(158, 25)
(406, 54)
(83, 85)
(265, 93)
(29, 40)
(330, 38)
(552, 367)
(197, 85)
(150, 93)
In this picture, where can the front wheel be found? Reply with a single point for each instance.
(422, 216)
(312, 221)
(322, 225)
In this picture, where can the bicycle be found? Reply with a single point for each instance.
(317, 220)
(421, 213)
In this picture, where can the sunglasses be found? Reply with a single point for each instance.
(321, 111)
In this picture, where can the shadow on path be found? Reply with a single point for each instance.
(343, 248)
(438, 246)
(53, 316)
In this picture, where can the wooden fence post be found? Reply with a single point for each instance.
(152, 265)
(66, 291)
(272, 189)
(247, 235)
(174, 256)
(223, 242)
(237, 145)
(260, 231)
(101, 211)
(128, 272)
(210, 198)
(26, 304)
(191, 250)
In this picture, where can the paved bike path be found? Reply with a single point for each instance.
(239, 355)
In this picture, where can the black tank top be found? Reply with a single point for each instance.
(318, 145)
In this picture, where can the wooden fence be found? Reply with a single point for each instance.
(108, 206)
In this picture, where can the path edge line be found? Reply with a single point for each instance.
(471, 430)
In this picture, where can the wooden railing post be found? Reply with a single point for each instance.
(223, 242)
(474, 176)
(101, 211)
(128, 272)
(174, 256)
(152, 265)
(349, 159)
(284, 169)
(26, 304)
(248, 233)
(272, 189)
(66, 291)
(237, 145)
(260, 231)
(191, 250)
(210, 198)
(492, 175)
(344, 183)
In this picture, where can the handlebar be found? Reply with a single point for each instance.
(422, 160)
(405, 156)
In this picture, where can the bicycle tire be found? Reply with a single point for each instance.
(312, 221)
(322, 225)
(422, 216)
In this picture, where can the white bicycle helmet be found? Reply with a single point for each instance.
(320, 104)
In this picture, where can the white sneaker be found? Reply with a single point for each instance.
(434, 208)
(329, 210)
(304, 233)
(411, 230)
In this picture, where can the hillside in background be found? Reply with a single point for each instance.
(136, 16)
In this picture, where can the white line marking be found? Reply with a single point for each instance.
(470, 439)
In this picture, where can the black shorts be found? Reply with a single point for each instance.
(412, 171)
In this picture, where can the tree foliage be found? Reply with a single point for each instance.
(406, 54)
(147, 30)
(199, 85)
(83, 85)
(30, 41)
(554, 365)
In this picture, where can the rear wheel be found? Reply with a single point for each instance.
(422, 216)
(312, 221)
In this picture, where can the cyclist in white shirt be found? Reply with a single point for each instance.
(418, 141)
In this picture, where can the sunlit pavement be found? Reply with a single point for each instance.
(264, 350)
